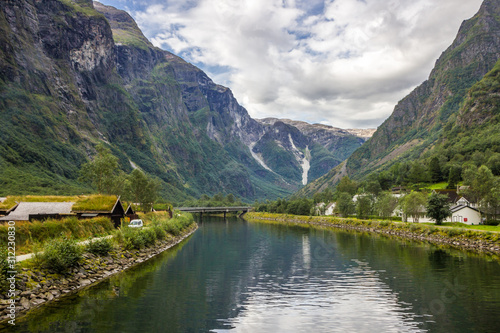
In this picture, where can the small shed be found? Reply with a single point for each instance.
(465, 214)
(130, 213)
(110, 206)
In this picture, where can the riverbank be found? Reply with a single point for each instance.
(35, 287)
(474, 240)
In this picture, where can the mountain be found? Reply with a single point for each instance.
(74, 73)
(441, 111)
(317, 148)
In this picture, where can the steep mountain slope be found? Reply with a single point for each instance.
(317, 148)
(419, 119)
(74, 73)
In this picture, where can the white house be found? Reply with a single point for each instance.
(465, 214)
(330, 208)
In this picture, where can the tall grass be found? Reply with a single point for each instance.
(29, 234)
(11, 201)
(96, 202)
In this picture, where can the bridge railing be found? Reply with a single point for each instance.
(214, 209)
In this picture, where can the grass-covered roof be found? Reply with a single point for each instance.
(97, 202)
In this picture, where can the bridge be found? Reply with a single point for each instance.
(225, 210)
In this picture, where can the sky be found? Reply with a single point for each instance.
(344, 63)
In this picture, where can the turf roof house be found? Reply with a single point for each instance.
(31, 208)
(113, 210)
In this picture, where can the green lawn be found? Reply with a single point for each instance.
(437, 186)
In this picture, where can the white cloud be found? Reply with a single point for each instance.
(343, 62)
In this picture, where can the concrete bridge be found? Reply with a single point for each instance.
(215, 210)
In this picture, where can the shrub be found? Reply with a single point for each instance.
(453, 232)
(149, 236)
(415, 227)
(160, 233)
(61, 254)
(99, 247)
(133, 239)
(492, 222)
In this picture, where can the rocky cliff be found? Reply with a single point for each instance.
(75, 73)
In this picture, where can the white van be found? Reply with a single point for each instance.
(135, 224)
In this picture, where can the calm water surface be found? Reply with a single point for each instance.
(252, 277)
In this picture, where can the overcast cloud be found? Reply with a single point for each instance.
(344, 63)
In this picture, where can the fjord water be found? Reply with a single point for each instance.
(254, 277)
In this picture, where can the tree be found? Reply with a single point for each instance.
(325, 196)
(492, 201)
(373, 187)
(417, 173)
(435, 170)
(142, 189)
(386, 203)
(344, 206)
(230, 199)
(363, 206)
(218, 198)
(454, 176)
(480, 181)
(103, 172)
(438, 207)
(347, 186)
(413, 205)
(494, 163)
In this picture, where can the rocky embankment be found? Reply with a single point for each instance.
(37, 287)
(472, 240)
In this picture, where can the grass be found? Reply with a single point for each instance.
(11, 201)
(468, 226)
(31, 235)
(437, 186)
(96, 202)
(487, 233)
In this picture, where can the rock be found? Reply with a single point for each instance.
(25, 303)
(85, 282)
(25, 293)
(36, 302)
(55, 292)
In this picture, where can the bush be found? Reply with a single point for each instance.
(4, 267)
(61, 254)
(99, 247)
(132, 239)
(149, 236)
(492, 222)
(159, 232)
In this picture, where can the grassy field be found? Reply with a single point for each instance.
(467, 226)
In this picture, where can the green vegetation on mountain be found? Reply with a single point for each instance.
(77, 77)
(448, 121)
